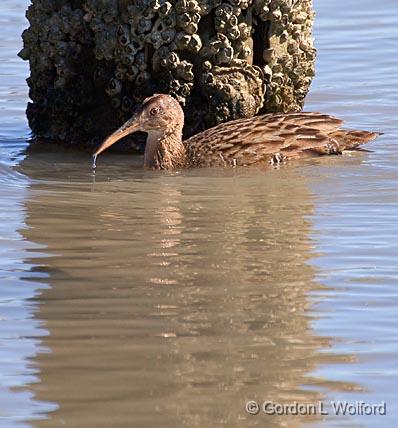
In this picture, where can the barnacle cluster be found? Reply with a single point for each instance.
(290, 54)
(92, 61)
(55, 43)
(235, 91)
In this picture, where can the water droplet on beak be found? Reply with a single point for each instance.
(94, 162)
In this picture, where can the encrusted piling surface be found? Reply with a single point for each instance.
(93, 61)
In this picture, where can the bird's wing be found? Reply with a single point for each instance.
(247, 141)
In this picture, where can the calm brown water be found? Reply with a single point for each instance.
(138, 299)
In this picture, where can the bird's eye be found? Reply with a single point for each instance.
(154, 111)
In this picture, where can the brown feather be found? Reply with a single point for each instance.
(261, 138)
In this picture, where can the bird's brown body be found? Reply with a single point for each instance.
(261, 140)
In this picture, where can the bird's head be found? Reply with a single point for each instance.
(158, 115)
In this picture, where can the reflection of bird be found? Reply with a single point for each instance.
(267, 139)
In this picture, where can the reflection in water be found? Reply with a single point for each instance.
(173, 298)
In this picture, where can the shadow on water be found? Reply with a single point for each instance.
(173, 298)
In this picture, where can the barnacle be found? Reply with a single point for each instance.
(290, 54)
(114, 87)
(222, 59)
(238, 88)
(184, 70)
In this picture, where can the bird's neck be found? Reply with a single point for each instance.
(165, 150)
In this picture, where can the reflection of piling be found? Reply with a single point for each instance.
(178, 322)
(92, 61)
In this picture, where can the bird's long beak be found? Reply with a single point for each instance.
(129, 127)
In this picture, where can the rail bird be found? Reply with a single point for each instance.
(260, 140)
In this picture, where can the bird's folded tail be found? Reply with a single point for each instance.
(352, 139)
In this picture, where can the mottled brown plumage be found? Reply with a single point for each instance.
(266, 139)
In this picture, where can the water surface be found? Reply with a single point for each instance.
(139, 298)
